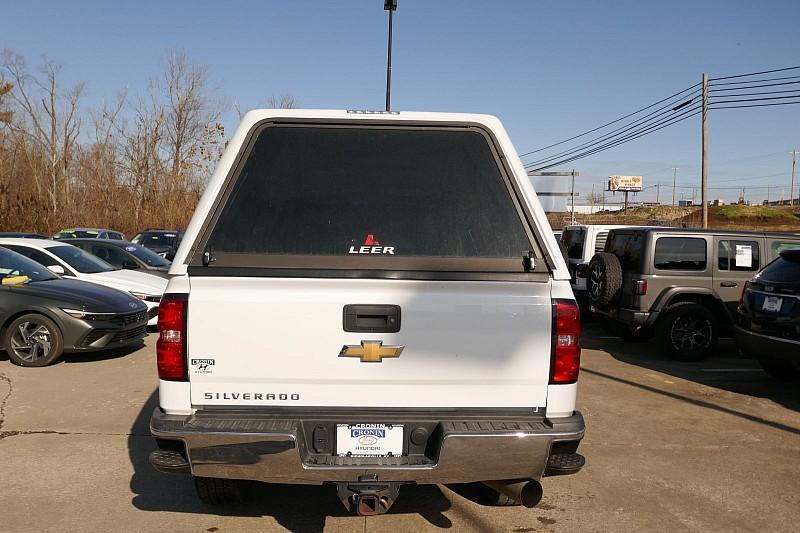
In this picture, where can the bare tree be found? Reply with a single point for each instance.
(284, 101)
(189, 113)
(594, 198)
(49, 118)
(5, 88)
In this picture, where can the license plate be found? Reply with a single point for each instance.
(364, 440)
(772, 304)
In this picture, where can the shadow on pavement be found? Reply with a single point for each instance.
(295, 507)
(725, 369)
(102, 355)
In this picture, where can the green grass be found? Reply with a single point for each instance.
(772, 214)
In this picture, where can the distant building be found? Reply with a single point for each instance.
(717, 203)
(685, 203)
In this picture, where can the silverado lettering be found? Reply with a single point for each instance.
(247, 396)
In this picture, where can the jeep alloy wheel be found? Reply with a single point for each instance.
(688, 330)
(691, 333)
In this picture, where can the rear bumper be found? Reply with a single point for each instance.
(631, 317)
(284, 449)
(775, 348)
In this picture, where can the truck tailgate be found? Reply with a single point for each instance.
(278, 341)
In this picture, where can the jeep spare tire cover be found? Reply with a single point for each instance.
(605, 279)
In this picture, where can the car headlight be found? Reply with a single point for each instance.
(88, 315)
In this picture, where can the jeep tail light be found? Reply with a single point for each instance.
(566, 352)
(640, 287)
(171, 345)
(741, 296)
(582, 271)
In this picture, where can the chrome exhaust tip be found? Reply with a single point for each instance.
(527, 492)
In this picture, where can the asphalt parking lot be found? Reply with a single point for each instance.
(710, 446)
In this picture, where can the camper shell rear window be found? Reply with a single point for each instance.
(369, 197)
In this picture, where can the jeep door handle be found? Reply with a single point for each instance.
(728, 284)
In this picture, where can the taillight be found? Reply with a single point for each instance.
(741, 297)
(566, 351)
(171, 345)
(582, 271)
(640, 287)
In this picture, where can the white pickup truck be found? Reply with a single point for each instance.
(368, 299)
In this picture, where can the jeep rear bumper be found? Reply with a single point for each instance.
(631, 317)
(280, 448)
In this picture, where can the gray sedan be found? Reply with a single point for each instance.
(43, 315)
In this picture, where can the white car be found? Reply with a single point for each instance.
(368, 299)
(70, 261)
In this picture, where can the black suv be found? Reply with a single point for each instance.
(162, 241)
(768, 318)
(682, 285)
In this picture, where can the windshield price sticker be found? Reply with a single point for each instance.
(744, 256)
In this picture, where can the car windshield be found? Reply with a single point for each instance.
(158, 239)
(82, 261)
(13, 264)
(149, 257)
(76, 234)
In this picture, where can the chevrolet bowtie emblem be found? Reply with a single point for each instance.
(371, 351)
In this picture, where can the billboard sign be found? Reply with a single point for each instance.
(625, 183)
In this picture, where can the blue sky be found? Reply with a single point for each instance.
(549, 70)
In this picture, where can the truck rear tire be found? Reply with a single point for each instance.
(217, 491)
(605, 280)
(688, 331)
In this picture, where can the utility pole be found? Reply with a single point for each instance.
(658, 193)
(794, 165)
(704, 176)
(603, 192)
(391, 7)
(674, 177)
(572, 195)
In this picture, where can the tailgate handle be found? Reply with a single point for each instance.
(371, 318)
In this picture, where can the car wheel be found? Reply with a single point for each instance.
(33, 340)
(688, 331)
(605, 280)
(218, 491)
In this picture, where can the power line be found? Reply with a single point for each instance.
(755, 73)
(612, 122)
(755, 99)
(753, 105)
(656, 120)
(758, 93)
(755, 86)
(654, 115)
(754, 81)
(629, 137)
